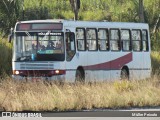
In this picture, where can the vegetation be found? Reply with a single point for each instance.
(39, 96)
(5, 58)
(111, 10)
(155, 61)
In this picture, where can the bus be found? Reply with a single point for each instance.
(85, 51)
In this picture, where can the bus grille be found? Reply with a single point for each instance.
(37, 66)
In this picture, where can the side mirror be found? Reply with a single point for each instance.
(9, 38)
(10, 35)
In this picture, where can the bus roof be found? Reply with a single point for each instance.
(91, 24)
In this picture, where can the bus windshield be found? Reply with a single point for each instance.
(42, 46)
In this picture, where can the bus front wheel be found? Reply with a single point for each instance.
(124, 74)
(80, 76)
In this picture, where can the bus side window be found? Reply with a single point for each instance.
(114, 40)
(126, 40)
(136, 40)
(91, 36)
(70, 46)
(103, 39)
(80, 38)
(145, 40)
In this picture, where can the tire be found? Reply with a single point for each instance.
(80, 76)
(124, 74)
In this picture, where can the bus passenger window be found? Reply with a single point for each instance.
(80, 36)
(145, 40)
(125, 38)
(70, 46)
(114, 40)
(91, 39)
(136, 40)
(103, 39)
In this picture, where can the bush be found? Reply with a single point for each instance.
(6, 57)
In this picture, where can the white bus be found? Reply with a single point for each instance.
(81, 50)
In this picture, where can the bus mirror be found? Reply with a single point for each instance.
(9, 38)
(10, 35)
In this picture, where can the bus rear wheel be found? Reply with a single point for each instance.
(80, 76)
(124, 74)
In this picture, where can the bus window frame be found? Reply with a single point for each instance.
(147, 46)
(87, 47)
(137, 40)
(119, 43)
(107, 31)
(130, 41)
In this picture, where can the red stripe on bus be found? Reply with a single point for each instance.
(114, 64)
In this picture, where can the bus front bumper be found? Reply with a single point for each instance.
(53, 78)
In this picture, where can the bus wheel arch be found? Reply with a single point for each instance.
(80, 74)
(124, 75)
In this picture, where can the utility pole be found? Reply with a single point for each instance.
(141, 11)
(75, 4)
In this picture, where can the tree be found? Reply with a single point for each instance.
(75, 4)
(9, 14)
(141, 11)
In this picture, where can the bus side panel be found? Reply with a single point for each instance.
(104, 57)
(116, 64)
(79, 60)
(98, 66)
(92, 60)
(71, 67)
(137, 66)
(70, 75)
(146, 65)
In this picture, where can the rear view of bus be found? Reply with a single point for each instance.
(38, 50)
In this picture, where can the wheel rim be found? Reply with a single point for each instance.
(124, 75)
(79, 76)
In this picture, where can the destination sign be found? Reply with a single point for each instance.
(55, 34)
(38, 26)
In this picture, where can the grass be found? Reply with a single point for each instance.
(155, 57)
(40, 96)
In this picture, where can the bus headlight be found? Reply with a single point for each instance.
(57, 71)
(16, 72)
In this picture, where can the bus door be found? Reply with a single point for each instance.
(70, 55)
